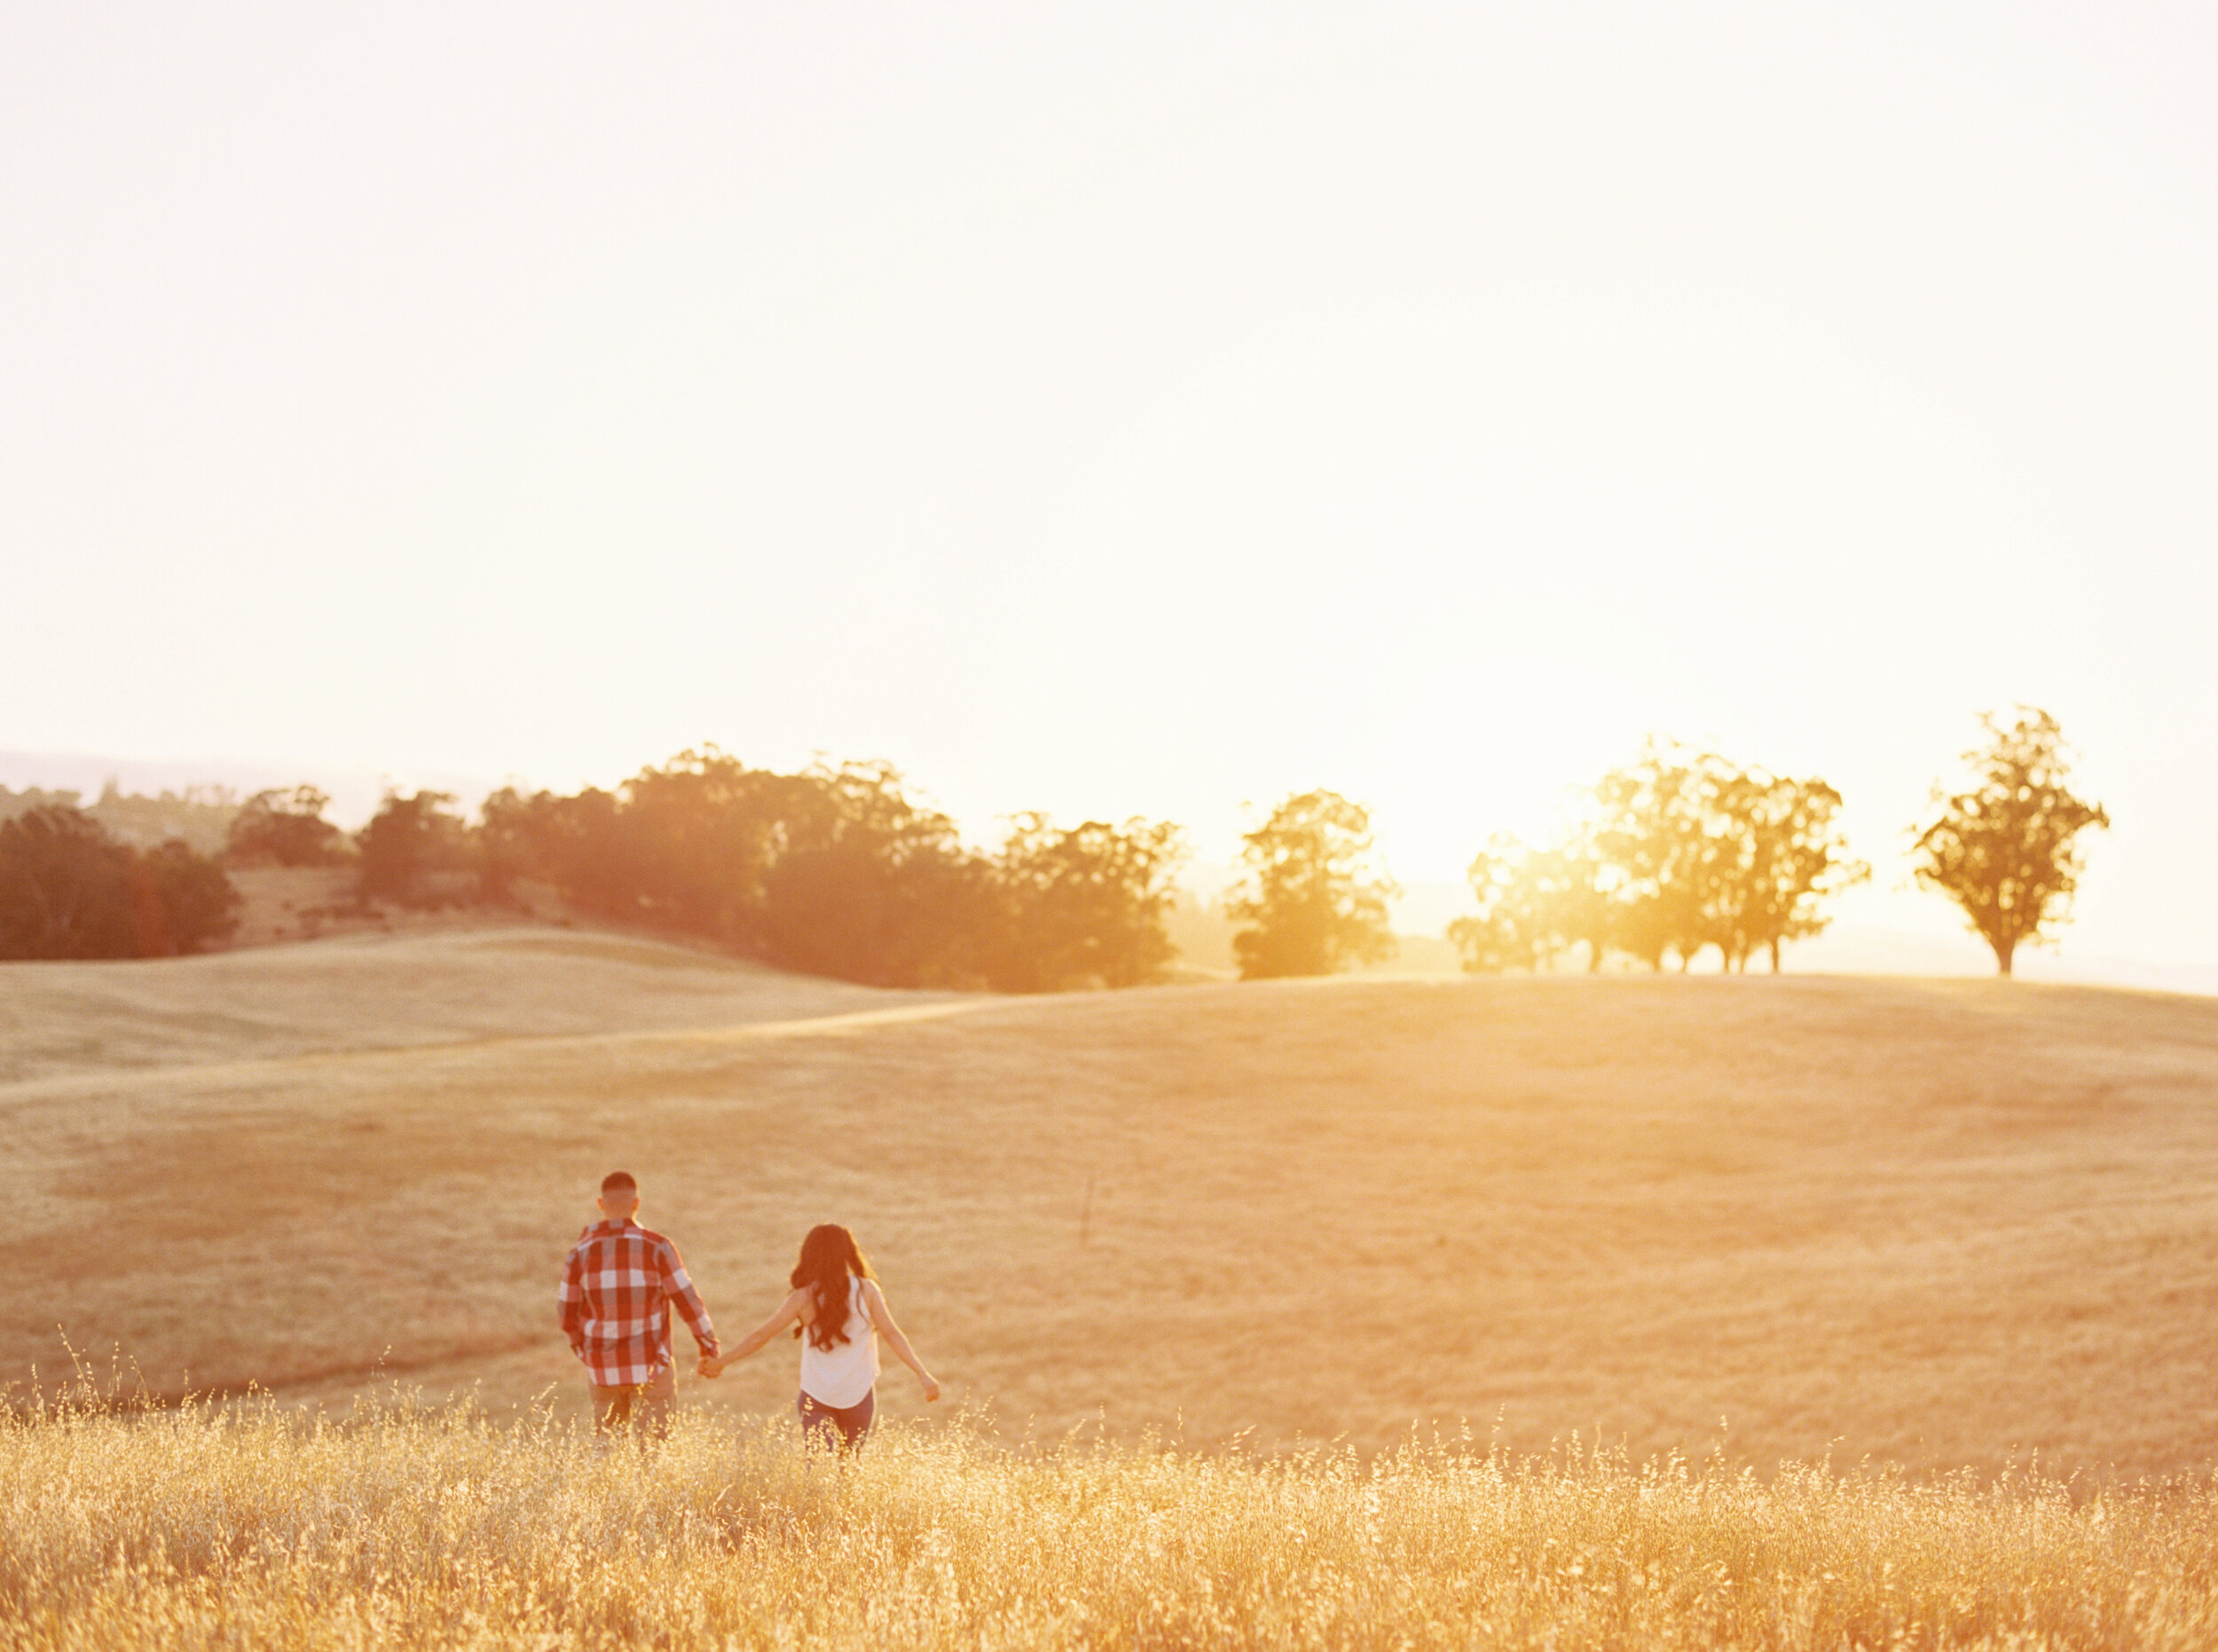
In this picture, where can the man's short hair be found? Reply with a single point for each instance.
(618, 1182)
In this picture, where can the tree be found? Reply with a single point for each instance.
(1315, 901)
(1795, 858)
(574, 843)
(284, 828)
(1534, 905)
(870, 886)
(1083, 906)
(67, 890)
(1657, 836)
(64, 888)
(194, 899)
(2007, 850)
(409, 842)
(696, 842)
(1505, 933)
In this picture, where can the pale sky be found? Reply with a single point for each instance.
(1129, 410)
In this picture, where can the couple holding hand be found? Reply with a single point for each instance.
(622, 1280)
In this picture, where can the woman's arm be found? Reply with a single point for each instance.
(760, 1337)
(882, 1317)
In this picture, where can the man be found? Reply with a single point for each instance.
(616, 1296)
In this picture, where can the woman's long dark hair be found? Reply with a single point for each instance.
(828, 1256)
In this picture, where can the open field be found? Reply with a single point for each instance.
(192, 1530)
(449, 985)
(1932, 1224)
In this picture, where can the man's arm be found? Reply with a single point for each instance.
(569, 1298)
(679, 1288)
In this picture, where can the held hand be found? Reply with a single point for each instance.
(709, 1366)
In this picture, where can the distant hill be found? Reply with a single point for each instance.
(359, 994)
(200, 816)
(354, 792)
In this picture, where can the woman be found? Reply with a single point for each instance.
(838, 1312)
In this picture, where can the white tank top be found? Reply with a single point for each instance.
(840, 1375)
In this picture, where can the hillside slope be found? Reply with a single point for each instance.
(375, 992)
(1934, 1222)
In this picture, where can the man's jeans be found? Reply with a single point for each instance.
(645, 1405)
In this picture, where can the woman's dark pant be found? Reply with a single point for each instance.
(833, 1428)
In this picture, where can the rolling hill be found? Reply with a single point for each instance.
(1933, 1223)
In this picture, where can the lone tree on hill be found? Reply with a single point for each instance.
(1317, 901)
(2007, 850)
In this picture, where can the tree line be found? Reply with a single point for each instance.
(1682, 851)
(836, 870)
(1677, 854)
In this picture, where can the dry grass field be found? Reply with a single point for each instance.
(1928, 1224)
(456, 983)
(244, 1529)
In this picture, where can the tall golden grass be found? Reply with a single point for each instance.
(246, 1526)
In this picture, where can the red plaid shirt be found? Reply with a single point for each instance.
(617, 1291)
